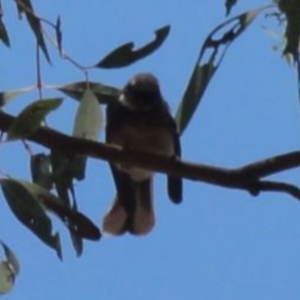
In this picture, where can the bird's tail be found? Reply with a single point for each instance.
(136, 217)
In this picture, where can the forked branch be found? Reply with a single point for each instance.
(248, 177)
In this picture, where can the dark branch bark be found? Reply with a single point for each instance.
(247, 177)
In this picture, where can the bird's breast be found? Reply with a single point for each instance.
(153, 139)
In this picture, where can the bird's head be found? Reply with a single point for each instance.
(141, 93)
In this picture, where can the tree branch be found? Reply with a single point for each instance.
(247, 177)
(273, 186)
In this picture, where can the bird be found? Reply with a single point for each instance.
(139, 120)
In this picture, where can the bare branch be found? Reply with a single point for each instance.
(274, 186)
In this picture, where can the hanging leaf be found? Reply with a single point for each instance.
(21, 8)
(9, 269)
(75, 221)
(41, 174)
(3, 34)
(229, 5)
(89, 118)
(193, 93)
(58, 33)
(25, 6)
(125, 55)
(214, 48)
(11, 258)
(7, 278)
(87, 125)
(77, 241)
(63, 175)
(65, 170)
(291, 10)
(31, 117)
(29, 212)
(104, 93)
(7, 96)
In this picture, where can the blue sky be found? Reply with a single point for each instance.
(219, 243)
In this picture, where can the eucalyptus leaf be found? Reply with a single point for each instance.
(104, 93)
(7, 278)
(58, 33)
(193, 94)
(87, 125)
(31, 117)
(41, 174)
(210, 58)
(77, 241)
(75, 221)
(11, 258)
(229, 5)
(125, 55)
(89, 118)
(34, 23)
(29, 212)
(9, 269)
(291, 10)
(7, 96)
(4, 34)
(64, 171)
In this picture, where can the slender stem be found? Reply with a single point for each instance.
(38, 72)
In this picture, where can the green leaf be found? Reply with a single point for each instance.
(58, 33)
(87, 125)
(291, 10)
(104, 93)
(75, 221)
(11, 258)
(20, 9)
(89, 118)
(29, 212)
(210, 58)
(229, 5)
(125, 55)
(3, 34)
(193, 94)
(31, 117)
(65, 169)
(25, 6)
(9, 269)
(41, 174)
(62, 175)
(7, 96)
(7, 278)
(77, 241)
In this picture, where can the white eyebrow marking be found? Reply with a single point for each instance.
(133, 82)
(122, 99)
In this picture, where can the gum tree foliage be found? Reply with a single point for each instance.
(53, 172)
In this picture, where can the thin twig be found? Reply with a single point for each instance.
(274, 186)
(38, 72)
